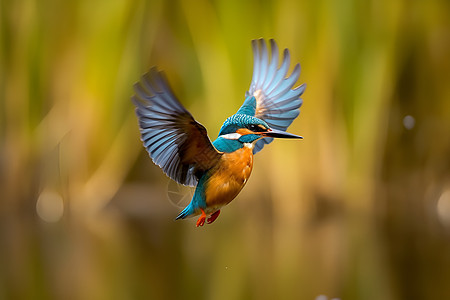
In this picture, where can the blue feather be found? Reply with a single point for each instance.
(277, 102)
(271, 72)
(280, 73)
(198, 200)
(227, 146)
(186, 212)
(168, 131)
(249, 106)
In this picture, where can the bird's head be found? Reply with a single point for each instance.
(248, 129)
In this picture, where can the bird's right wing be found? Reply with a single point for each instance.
(175, 141)
(277, 102)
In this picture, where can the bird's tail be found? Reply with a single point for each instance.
(188, 211)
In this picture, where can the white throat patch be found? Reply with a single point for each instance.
(249, 145)
(231, 136)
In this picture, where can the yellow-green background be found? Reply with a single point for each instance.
(359, 209)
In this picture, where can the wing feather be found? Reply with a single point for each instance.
(174, 140)
(277, 102)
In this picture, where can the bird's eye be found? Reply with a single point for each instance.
(257, 128)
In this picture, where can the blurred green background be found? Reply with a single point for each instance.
(360, 209)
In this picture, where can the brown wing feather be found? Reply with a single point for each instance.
(175, 141)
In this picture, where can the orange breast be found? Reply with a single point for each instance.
(229, 177)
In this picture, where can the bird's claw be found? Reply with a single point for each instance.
(201, 220)
(213, 217)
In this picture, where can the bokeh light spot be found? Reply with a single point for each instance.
(443, 208)
(50, 206)
(409, 122)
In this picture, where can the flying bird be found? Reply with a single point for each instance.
(178, 144)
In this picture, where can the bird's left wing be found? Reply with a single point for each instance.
(277, 102)
(175, 141)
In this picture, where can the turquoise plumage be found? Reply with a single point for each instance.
(219, 170)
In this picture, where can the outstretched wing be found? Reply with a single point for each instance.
(276, 102)
(175, 141)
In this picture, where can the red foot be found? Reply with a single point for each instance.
(213, 217)
(201, 220)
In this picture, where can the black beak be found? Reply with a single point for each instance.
(280, 134)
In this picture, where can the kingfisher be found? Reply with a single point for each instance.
(180, 145)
